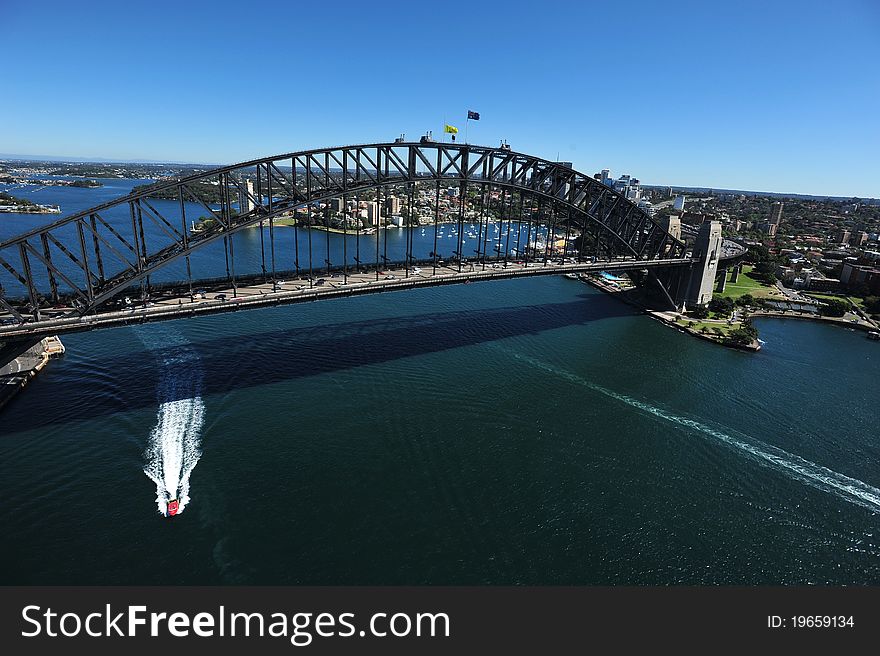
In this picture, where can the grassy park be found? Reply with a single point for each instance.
(746, 284)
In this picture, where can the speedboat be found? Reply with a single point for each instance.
(173, 507)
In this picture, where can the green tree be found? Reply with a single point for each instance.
(834, 307)
(765, 272)
(745, 300)
(700, 312)
(722, 305)
(745, 334)
(758, 253)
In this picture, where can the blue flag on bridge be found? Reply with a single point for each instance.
(473, 116)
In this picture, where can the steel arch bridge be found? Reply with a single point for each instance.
(71, 268)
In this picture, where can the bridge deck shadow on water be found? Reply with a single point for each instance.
(265, 358)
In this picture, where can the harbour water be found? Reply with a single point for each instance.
(517, 432)
(252, 251)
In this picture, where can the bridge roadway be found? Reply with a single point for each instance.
(175, 304)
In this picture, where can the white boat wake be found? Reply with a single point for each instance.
(844, 487)
(174, 446)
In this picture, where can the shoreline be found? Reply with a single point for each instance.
(807, 316)
(752, 314)
(24, 210)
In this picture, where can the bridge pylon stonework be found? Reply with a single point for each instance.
(707, 253)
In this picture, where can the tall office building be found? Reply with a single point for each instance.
(392, 205)
(678, 203)
(374, 213)
(248, 203)
(843, 237)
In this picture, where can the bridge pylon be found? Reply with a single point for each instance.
(707, 253)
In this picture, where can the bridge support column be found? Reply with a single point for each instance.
(722, 281)
(734, 276)
(707, 251)
(672, 225)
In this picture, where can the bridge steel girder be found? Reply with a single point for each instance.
(315, 175)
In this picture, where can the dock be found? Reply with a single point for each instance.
(22, 370)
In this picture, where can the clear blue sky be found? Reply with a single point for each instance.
(774, 95)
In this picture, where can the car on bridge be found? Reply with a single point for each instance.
(220, 297)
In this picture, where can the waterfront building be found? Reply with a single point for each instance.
(248, 203)
(392, 205)
(374, 213)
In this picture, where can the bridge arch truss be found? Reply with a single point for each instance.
(85, 259)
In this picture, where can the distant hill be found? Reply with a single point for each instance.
(96, 160)
(774, 194)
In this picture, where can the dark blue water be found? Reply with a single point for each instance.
(526, 432)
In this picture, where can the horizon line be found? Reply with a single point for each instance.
(66, 159)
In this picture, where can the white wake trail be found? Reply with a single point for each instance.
(844, 487)
(174, 445)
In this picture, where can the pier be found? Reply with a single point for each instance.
(15, 375)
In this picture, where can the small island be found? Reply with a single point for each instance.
(85, 184)
(11, 204)
(6, 178)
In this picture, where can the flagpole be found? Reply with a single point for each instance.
(466, 124)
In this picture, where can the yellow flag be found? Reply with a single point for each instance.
(451, 129)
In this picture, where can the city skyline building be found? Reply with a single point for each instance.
(374, 213)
